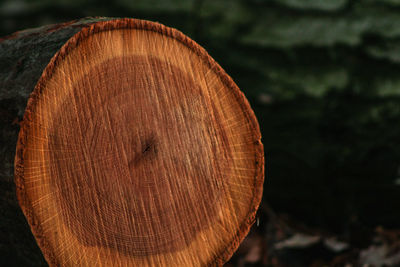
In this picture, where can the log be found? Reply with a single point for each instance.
(135, 148)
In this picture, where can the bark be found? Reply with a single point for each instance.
(23, 57)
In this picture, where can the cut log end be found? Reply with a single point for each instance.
(137, 149)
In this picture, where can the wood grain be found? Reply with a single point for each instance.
(137, 149)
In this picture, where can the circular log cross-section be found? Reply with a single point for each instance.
(137, 149)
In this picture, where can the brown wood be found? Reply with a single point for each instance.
(137, 149)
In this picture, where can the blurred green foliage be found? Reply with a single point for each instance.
(323, 77)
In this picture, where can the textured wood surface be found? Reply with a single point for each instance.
(137, 149)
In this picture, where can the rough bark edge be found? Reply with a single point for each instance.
(115, 24)
(77, 23)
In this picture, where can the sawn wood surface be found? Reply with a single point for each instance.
(137, 149)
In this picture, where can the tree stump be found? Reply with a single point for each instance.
(135, 149)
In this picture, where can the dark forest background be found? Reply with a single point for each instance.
(323, 77)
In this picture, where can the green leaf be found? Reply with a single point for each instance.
(158, 5)
(389, 50)
(312, 82)
(389, 2)
(387, 86)
(275, 27)
(326, 5)
(378, 19)
(223, 18)
(286, 30)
